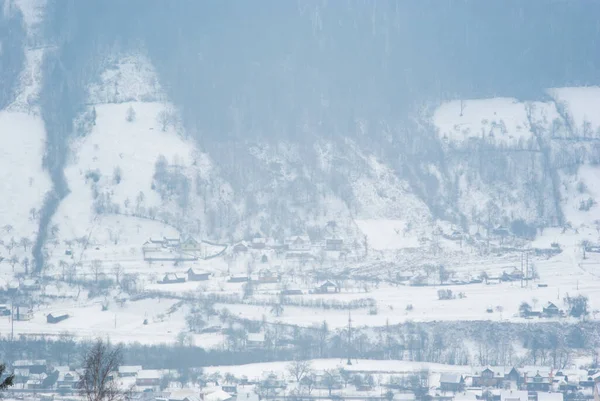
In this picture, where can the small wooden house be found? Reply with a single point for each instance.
(172, 278)
(550, 310)
(56, 317)
(327, 288)
(196, 275)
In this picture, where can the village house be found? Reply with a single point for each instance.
(259, 243)
(334, 244)
(327, 288)
(33, 366)
(56, 317)
(536, 379)
(22, 313)
(452, 382)
(67, 381)
(148, 378)
(496, 376)
(191, 245)
(240, 247)
(513, 275)
(266, 276)
(255, 340)
(298, 243)
(35, 381)
(196, 275)
(172, 278)
(550, 310)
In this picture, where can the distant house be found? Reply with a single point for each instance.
(259, 243)
(538, 381)
(298, 243)
(148, 377)
(334, 244)
(195, 275)
(240, 248)
(452, 382)
(190, 244)
(231, 389)
(172, 278)
(36, 366)
(22, 313)
(327, 288)
(488, 378)
(67, 381)
(267, 276)
(513, 275)
(56, 317)
(238, 279)
(129, 370)
(255, 340)
(550, 310)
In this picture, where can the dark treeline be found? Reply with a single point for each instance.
(475, 343)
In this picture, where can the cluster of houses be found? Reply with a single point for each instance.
(294, 247)
(173, 250)
(549, 310)
(191, 275)
(528, 379)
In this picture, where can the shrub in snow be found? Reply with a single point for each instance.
(130, 116)
(445, 294)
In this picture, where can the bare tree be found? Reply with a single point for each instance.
(118, 272)
(165, 118)
(96, 268)
(13, 261)
(100, 364)
(11, 244)
(25, 242)
(299, 369)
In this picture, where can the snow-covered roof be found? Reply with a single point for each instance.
(183, 394)
(149, 374)
(544, 396)
(130, 368)
(256, 337)
(29, 362)
(454, 378)
(509, 395)
(218, 395)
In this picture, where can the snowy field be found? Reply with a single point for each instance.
(257, 370)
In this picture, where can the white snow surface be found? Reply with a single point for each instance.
(24, 181)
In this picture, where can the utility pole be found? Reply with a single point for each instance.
(522, 275)
(349, 362)
(12, 319)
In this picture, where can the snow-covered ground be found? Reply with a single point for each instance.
(260, 370)
(500, 120)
